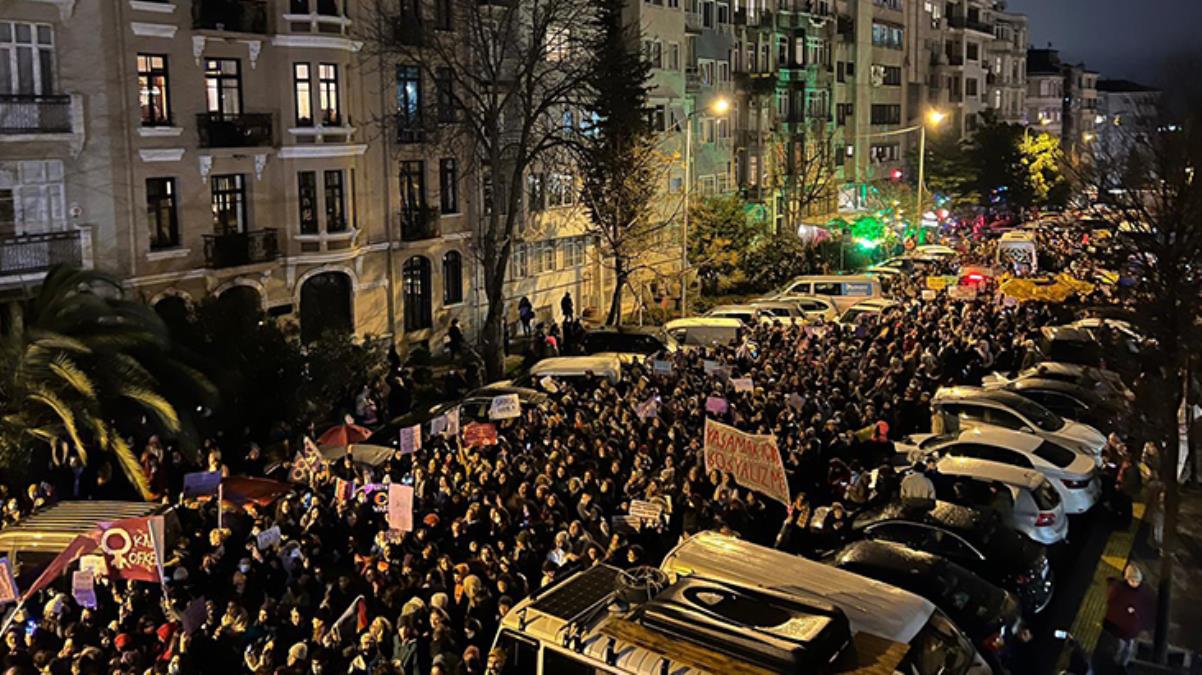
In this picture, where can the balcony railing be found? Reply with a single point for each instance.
(239, 16)
(234, 130)
(35, 114)
(241, 248)
(756, 84)
(30, 253)
(970, 24)
(692, 79)
(419, 223)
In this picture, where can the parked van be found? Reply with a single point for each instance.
(605, 621)
(1016, 252)
(936, 645)
(843, 290)
(39, 538)
(702, 331)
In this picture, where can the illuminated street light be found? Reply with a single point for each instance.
(933, 118)
(718, 106)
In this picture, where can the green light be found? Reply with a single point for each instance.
(866, 244)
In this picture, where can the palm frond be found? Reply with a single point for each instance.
(65, 415)
(129, 465)
(156, 404)
(69, 372)
(56, 342)
(101, 430)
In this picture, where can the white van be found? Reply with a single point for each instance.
(702, 331)
(937, 646)
(843, 290)
(1016, 252)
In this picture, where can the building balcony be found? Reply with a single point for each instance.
(409, 130)
(234, 130)
(409, 31)
(692, 80)
(970, 24)
(692, 22)
(756, 84)
(22, 114)
(37, 253)
(238, 16)
(241, 248)
(419, 223)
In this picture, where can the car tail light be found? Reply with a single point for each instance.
(995, 642)
(1045, 519)
(1075, 484)
(1023, 579)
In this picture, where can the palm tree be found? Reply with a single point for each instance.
(82, 364)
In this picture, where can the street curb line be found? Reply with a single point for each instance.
(1087, 625)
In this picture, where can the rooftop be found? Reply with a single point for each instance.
(1123, 86)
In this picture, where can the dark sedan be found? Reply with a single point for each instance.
(988, 614)
(624, 340)
(970, 537)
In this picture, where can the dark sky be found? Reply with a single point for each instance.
(1131, 39)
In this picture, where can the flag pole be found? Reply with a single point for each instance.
(220, 501)
(11, 616)
(158, 557)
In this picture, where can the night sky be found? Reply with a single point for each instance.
(1130, 39)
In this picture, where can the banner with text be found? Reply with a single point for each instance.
(753, 460)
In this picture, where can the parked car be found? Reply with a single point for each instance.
(783, 311)
(624, 339)
(1072, 473)
(813, 307)
(1000, 408)
(1105, 383)
(969, 537)
(474, 407)
(746, 313)
(702, 331)
(933, 251)
(1033, 506)
(1072, 401)
(607, 365)
(986, 613)
(875, 306)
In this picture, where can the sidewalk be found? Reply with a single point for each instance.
(1132, 543)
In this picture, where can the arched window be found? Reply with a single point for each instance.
(452, 278)
(325, 304)
(416, 275)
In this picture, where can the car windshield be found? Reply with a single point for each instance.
(939, 649)
(1046, 497)
(1038, 415)
(1056, 455)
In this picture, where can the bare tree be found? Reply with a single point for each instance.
(802, 168)
(1149, 193)
(510, 78)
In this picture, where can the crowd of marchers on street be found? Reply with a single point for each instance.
(343, 592)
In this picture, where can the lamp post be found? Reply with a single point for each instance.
(719, 106)
(933, 117)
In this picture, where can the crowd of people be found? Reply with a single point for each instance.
(342, 593)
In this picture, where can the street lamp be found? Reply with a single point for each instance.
(718, 106)
(932, 118)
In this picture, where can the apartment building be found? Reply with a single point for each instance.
(1045, 90)
(1006, 76)
(1125, 110)
(198, 148)
(1080, 108)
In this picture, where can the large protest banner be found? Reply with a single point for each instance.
(753, 460)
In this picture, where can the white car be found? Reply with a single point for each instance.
(1073, 474)
(1000, 408)
(933, 251)
(874, 306)
(786, 312)
(812, 306)
(1037, 510)
(746, 313)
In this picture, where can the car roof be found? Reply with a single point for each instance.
(1003, 438)
(971, 467)
(1018, 235)
(875, 303)
(802, 297)
(598, 363)
(944, 514)
(831, 277)
(719, 321)
(1046, 384)
(1066, 333)
(871, 606)
(773, 303)
(968, 393)
(623, 330)
(890, 556)
(730, 308)
(935, 248)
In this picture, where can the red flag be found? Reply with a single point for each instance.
(80, 546)
(361, 616)
(131, 549)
